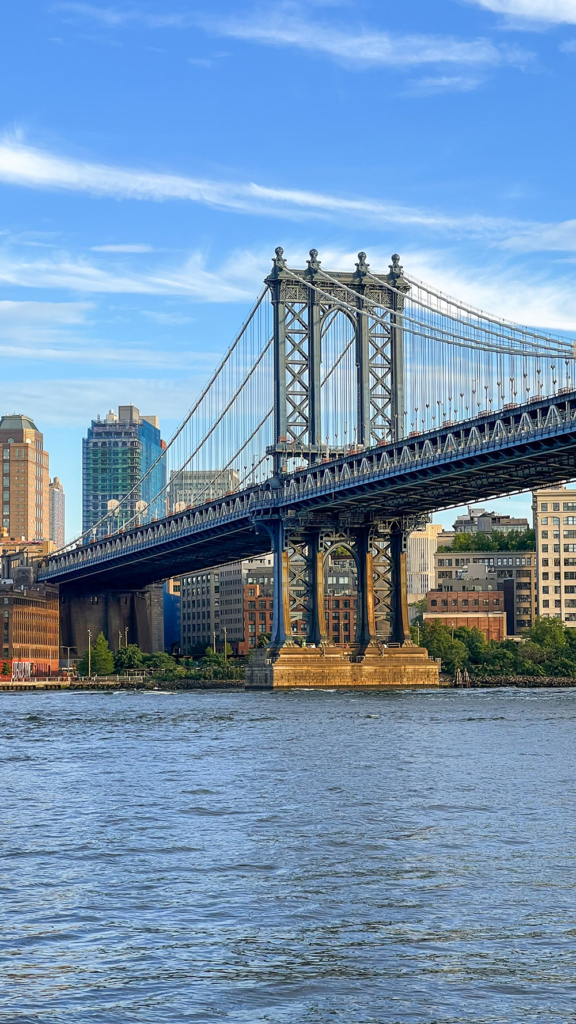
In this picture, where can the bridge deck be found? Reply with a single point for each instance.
(523, 447)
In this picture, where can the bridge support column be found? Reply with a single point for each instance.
(317, 621)
(400, 625)
(281, 629)
(366, 622)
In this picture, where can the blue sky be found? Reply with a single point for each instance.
(153, 154)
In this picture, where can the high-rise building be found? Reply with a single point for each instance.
(25, 479)
(422, 546)
(195, 486)
(57, 513)
(555, 525)
(116, 453)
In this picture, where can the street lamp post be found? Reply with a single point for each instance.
(225, 653)
(65, 648)
(89, 653)
(126, 637)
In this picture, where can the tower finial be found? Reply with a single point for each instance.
(362, 267)
(279, 260)
(313, 262)
(395, 268)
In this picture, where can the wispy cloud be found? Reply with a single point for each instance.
(113, 17)
(123, 247)
(166, 319)
(33, 168)
(538, 299)
(283, 25)
(363, 48)
(431, 86)
(58, 332)
(552, 11)
(235, 281)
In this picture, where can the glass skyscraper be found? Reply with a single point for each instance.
(116, 453)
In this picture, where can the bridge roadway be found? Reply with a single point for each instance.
(493, 454)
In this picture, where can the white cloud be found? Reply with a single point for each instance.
(128, 247)
(283, 27)
(233, 282)
(544, 237)
(443, 83)
(33, 168)
(113, 18)
(51, 332)
(166, 319)
(554, 11)
(537, 299)
(47, 314)
(365, 48)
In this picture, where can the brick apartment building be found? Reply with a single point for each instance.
(471, 603)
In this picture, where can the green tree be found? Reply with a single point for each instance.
(547, 633)
(101, 661)
(6, 670)
(475, 643)
(163, 666)
(437, 639)
(129, 657)
(515, 540)
(263, 640)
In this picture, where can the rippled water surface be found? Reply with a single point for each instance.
(306, 857)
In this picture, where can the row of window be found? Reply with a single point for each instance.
(465, 602)
(487, 561)
(558, 604)
(556, 534)
(567, 548)
(567, 506)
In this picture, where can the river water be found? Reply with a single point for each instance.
(305, 857)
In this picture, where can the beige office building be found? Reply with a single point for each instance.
(422, 545)
(554, 512)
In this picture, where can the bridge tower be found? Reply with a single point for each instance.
(306, 303)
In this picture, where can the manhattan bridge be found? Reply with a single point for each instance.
(349, 407)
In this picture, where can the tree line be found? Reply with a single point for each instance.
(547, 648)
(161, 666)
(515, 540)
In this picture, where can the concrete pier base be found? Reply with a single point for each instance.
(389, 667)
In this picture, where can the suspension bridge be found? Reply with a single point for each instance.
(349, 406)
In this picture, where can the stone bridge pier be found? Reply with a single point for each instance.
(382, 653)
(123, 614)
